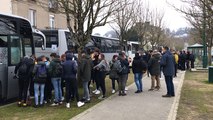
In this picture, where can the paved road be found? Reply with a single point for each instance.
(148, 105)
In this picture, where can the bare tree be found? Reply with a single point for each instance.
(199, 13)
(84, 15)
(156, 28)
(124, 19)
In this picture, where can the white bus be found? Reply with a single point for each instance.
(16, 41)
(39, 42)
(59, 41)
(132, 48)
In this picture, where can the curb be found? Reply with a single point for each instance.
(174, 108)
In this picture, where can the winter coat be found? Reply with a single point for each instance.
(101, 66)
(167, 63)
(86, 65)
(69, 69)
(154, 64)
(124, 63)
(114, 66)
(30, 64)
(35, 70)
(52, 66)
(138, 65)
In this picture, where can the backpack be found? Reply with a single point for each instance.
(23, 68)
(41, 72)
(58, 70)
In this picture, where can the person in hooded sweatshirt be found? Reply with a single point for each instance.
(55, 72)
(69, 73)
(154, 69)
(138, 68)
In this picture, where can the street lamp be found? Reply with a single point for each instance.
(204, 37)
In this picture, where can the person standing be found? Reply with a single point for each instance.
(85, 73)
(123, 73)
(95, 71)
(167, 63)
(69, 72)
(101, 72)
(40, 75)
(154, 69)
(55, 70)
(176, 62)
(113, 74)
(192, 60)
(138, 67)
(23, 70)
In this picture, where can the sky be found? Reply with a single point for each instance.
(173, 19)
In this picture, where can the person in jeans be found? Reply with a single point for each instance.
(101, 72)
(23, 69)
(167, 63)
(123, 73)
(85, 73)
(56, 78)
(40, 73)
(69, 73)
(113, 74)
(138, 67)
(154, 69)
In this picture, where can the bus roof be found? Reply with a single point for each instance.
(14, 16)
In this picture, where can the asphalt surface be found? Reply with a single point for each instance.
(148, 105)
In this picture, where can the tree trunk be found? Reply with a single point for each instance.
(209, 55)
(80, 84)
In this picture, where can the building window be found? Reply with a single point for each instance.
(32, 17)
(52, 21)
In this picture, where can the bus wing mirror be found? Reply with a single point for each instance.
(42, 47)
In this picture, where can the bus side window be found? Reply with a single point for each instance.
(3, 41)
(16, 50)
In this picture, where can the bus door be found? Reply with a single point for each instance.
(3, 65)
(15, 52)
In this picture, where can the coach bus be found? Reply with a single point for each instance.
(39, 42)
(59, 41)
(16, 41)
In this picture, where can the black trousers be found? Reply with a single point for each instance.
(113, 83)
(23, 88)
(48, 89)
(71, 89)
(101, 80)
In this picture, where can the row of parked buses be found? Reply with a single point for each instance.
(18, 38)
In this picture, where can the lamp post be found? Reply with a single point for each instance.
(204, 37)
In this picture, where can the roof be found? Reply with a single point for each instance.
(196, 46)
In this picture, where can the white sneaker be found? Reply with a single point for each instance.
(79, 104)
(101, 97)
(54, 104)
(126, 88)
(97, 92)
(94, 91)
(68, 105)
(62, 99)
(113, 91)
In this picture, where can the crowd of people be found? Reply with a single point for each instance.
(41, 76)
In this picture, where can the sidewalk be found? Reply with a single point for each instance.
(148, 105)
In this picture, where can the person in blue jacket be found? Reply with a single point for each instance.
(167, 64)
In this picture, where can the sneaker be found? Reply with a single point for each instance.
(101, 97)
(138, 91)
(113, 91)
(94, 91)
(54, 104)
(19, 104)
(151, 89)
(97, 92)
(68, 105)
(24, 104)
(36, 106)
(60, 103)
(87, 101)
(126, 89)
(45, 102)
(79, 104)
